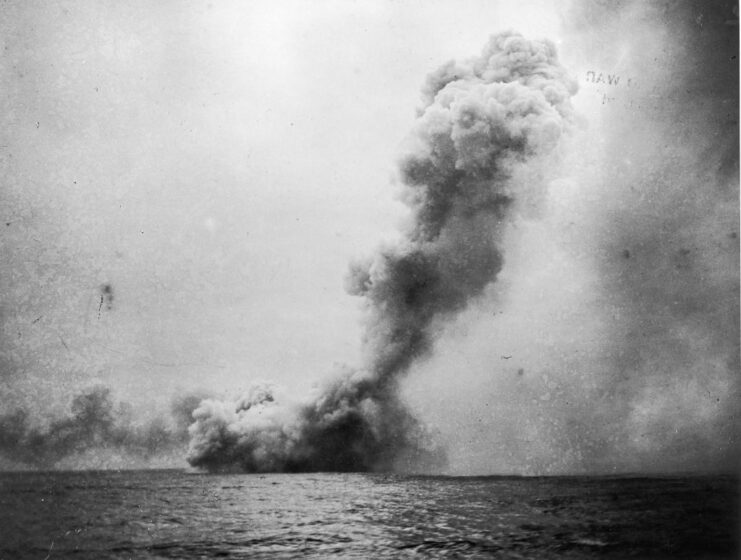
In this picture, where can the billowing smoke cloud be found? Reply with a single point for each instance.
(483, 122)
(610, 342)
(95, 425)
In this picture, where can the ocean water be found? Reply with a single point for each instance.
(178, 514)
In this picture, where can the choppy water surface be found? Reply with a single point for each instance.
(175, 514)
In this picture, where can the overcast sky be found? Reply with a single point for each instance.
(218, 164)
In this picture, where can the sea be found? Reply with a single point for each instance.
(186, 515)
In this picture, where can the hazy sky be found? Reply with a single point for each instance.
(219, 164)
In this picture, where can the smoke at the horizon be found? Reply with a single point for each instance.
(97, 431)
(482, 122)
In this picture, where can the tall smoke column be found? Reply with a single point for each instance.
(610, 342)
(483, 121)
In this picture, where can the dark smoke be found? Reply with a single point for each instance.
(482, 122)
(95, 423)
(610, 342)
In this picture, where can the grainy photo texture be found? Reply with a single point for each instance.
(373, 279)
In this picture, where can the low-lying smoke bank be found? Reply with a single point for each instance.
(99, 426)
(483, 122)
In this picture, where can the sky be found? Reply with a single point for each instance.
(185, 185)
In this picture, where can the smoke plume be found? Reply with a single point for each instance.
(610, 342)
(96, 425)
(483, 125)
